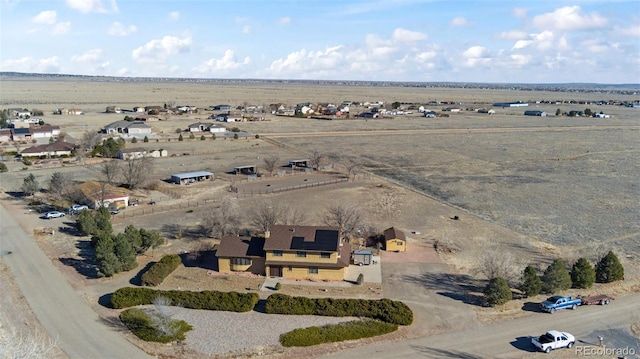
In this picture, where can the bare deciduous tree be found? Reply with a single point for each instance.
(222, 220)
(352, 167)
(317, 159)
(264, 215)
(293, 216)
(34, 346)
(161, 316)
(349, 218)
(137, 170)
(200, 249)
(270, 164)
(496, 262)
(59, 184)
(110, 171)
(90, 139)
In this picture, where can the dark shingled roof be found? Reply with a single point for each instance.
(307, 238)
(394, 233)
(241, 247)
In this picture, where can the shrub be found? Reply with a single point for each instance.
(278, 286)
(141, 323)
(235, 136)
(180, 138)
(213, 137)
(360, 279)
(146, 139)
(3, 167)
(202, 138)
(134, 140)
(208, 299)
(582, 274)
(609, 269)
(531, 283)
(336, 333)
(497, 292)
(387, 310)
(26, 161)
(257, 136)
(556, 277)
(191, 136)
(161, 270)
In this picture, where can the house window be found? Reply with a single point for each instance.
(399, 243)
(290, 269)
(301, 254)
(325, 255)
(241, 261)
(277, 253)
(313, 270)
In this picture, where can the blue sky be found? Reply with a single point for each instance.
(538, 41)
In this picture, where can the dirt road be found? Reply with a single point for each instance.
(510, 339)
(61, 310)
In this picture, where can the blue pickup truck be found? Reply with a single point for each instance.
(558, 302)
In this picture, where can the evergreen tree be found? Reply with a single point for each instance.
(134, 140)
(150, 239)
(180, 138)
(609, 269)
(556, 277)
(134, 237)
(531, 283)
(497, 291)
(124, 252)
(146, 139)
(103, 220)
(86, 223)
(30, 185)
(583, 275)
(108, 262)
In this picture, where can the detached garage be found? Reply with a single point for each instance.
(191, 177)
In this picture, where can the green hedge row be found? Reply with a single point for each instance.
(161, 270)
(208, 299)
(386, 310)
(146, 328)
(336, 333)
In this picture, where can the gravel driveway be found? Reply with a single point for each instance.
(217, 332)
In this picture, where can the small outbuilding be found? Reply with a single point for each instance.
(535, 113)
(299, 163)
(246, 170)
(191, 177)
(394, 240)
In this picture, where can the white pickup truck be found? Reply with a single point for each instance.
(553, 339)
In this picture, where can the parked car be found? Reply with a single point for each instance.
(553, 339)
(54, 214)
(558, 302)
(114, 211)
(78, 208)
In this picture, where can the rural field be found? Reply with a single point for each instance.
(536, 187)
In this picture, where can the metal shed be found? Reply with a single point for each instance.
(191, 177)
(246, 170)
(362, 257)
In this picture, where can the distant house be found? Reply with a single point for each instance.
(394, 240)
(56, 149)
(241, 254)
(227, 118)
(221, 108)
(21, 134)
(131, 153)
(601, 115)
(45, 131)
(511, 104)
(535, 113)
(158, 153)
(156, 109)
(102, 194)
(139, 109)
(146, 118)
(575, 113)
(368, 115)
(191, 177)
(5, 135)
(113, 109)
(68, 111)
(484, 110)
(452, 109)
(429, 114)
(199, 127)
(135, 128)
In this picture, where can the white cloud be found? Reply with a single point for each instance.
(158, 49)
(306, 63)
(476, 55)
(629, 31)
(61, 28)
(284, 20)
(227, 62)
(521, 44)
(404, 35)
(91, 56)
(520, 12)
(118, 29)
(123, 72)
(460, 22)
(47, 17)
(520, 60)
(87, 6)
(174, 15)
(29, 64)
(513, 35)
(569, 18)
(246, 29)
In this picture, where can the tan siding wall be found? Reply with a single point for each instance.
(257, 266)
(312, 257)
(291, 272)
(224, 265)
(393, 246)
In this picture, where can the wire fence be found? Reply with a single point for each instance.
(152, 208)
(269, 190)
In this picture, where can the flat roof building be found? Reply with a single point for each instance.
(191, 177)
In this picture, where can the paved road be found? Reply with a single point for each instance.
(510, 339)
(61, 310)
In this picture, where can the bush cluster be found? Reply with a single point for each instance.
(144, 327)
(357, 329)
(386, 310)
(208, 299)
(497, 292)
(160, 270)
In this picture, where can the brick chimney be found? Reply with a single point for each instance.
(267, 234)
